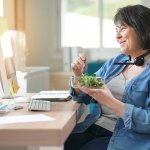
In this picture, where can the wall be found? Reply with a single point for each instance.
(9, 12)
(41, 20)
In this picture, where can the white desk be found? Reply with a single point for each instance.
(41, 135)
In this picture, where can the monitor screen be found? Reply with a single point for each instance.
(7, 66)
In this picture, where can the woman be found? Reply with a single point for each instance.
(125, 97)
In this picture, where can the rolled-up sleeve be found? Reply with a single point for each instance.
(128, 115)
(80, 97)
(137, 118)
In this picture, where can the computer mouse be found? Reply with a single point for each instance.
(18, 107)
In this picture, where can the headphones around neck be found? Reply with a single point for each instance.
(138, 61)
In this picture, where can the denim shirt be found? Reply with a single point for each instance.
(133, 130)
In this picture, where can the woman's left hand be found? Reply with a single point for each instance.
(103, 96)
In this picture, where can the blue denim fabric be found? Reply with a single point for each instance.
(133, 130)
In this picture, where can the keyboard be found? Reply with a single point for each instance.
(39, 105)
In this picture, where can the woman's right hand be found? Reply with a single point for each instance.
(79, 65)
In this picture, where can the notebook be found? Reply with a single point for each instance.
(54, 96)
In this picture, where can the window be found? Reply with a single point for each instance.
(109, 10)
(89, 23)
(81, 23)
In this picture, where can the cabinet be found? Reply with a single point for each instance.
(60, 80)
(33, 79)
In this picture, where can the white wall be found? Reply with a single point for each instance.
(41, 20)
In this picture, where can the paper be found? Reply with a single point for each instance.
(15, 86)
(11, 90)
(25, 118)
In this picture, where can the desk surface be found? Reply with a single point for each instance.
(47, 133)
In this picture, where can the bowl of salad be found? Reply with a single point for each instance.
(90, 81)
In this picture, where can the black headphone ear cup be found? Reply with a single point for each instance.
(139, 61)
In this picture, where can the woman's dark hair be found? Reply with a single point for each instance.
(137, 17)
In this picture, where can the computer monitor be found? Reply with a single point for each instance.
(7, 66)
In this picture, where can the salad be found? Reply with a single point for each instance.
(90, 81)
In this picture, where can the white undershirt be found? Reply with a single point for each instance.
(108, 118)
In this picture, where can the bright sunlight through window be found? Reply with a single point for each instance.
(89, 23)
